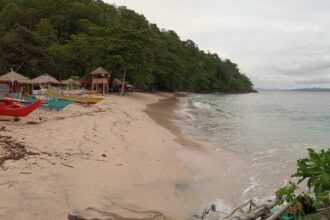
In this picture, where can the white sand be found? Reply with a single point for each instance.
(143, 169)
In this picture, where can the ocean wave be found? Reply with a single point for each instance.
(201, 105)
(183, 110)
(222, 205)
(184, 113)
(253, 183)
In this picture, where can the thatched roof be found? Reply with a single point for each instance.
(12, 76)
(70, 82)
(45, 78)
(99, 70)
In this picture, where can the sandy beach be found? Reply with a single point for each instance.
(110, 157)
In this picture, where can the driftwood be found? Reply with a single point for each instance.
(255, 213)
(262, 210)
(239, 207)
(252, 209)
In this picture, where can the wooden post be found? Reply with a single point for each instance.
(103, 86)
(123, 83)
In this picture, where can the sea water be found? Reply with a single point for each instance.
(266, 131)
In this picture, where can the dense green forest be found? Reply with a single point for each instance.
(71, 37)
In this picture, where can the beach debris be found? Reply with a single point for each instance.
(214, 210)
(115, 212)
(207, 212)
(11, 150)
(104, 155)
(249, 210)
(32, 123)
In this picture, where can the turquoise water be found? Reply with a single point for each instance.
(267, 131)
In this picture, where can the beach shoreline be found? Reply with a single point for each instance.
(104, 156)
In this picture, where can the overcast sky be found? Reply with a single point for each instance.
(277, 43)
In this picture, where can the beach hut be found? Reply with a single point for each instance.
(15, 80)
(100, 78)
(45, 80)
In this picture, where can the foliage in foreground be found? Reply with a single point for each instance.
(315, 169)
(66, 38)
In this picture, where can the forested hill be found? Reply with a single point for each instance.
(71, 37)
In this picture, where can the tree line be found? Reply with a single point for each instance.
(71, 37)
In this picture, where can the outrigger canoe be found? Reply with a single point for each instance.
(50, 103)
(11, 108)
(78, 99)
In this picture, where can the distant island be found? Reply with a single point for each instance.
(312, 89)
(70, 38)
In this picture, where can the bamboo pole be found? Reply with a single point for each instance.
(277, 214)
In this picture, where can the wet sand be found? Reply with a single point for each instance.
(110, 157)
(215, 170)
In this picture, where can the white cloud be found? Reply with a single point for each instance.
(275, 42)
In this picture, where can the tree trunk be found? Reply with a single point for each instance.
(123, 83)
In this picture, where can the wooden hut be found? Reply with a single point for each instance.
(15, 80)
(100, 78)
(45, 80)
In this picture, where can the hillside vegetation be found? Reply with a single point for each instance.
(71, 37)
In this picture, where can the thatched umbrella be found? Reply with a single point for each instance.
(71, 83)
(14, 79)
(45, 79)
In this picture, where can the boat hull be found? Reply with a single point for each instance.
(13, 109)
